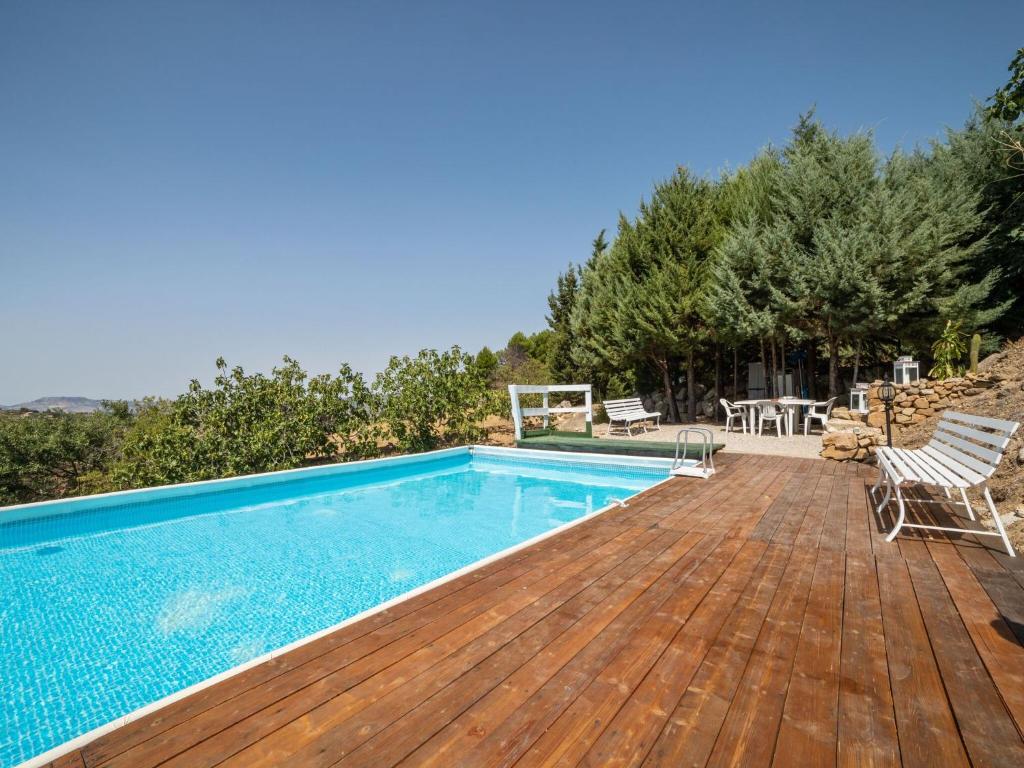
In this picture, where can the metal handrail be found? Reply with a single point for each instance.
(707, 452)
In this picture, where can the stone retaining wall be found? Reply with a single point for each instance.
(850, 435)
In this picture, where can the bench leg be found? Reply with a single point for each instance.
(878, 482)
(882, 476)
(967, 502)
(998, 521)
(888, 495)
(903, 511)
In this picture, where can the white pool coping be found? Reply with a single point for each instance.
(46, 508)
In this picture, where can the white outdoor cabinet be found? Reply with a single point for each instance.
(905, 371)
(859, 398)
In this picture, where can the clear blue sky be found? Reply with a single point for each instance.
(341, 181)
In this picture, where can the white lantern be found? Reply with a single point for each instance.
(859, 398)
(905, 371)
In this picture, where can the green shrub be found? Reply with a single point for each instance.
(245, 424)
(947, 352)
(54, 454)
(433, 399)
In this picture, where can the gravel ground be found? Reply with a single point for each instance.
(735, 442)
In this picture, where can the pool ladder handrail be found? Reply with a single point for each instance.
(706, 466)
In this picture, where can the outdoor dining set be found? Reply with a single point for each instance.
(782, 414)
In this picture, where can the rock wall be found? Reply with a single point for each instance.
(656, 401)
(850, 435)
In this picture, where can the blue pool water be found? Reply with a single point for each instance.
(104, 609)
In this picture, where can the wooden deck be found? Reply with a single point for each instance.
(754, 619)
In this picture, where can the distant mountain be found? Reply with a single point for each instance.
(66, 404)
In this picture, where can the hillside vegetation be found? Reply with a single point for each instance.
(247, 423)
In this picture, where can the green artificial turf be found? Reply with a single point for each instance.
(622, 447)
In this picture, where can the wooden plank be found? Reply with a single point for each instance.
(997, 646)
(860, 518)
(751, 726)
(642, 711)
(715, 510)
(866, 733)
(808, 726)
(987, 729)
(688, 737)
(70, 760)
(638, 651)
(834, 528)
(768, 485)
(408, 733)
(830, 490)
(813, 490)
(1006, 594)
(927, 729)
(782, 504)
(620, 618)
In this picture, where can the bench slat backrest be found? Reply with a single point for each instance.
(997, 440)
(998, 425)
(974, 442)
(628, 407)
(635, 402)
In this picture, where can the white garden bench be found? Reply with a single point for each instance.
(629, 412)
(963, 453)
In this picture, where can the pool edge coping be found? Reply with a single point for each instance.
(14, 512)
(88, 737)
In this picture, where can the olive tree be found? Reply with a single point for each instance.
(248, 423)
(433, 399)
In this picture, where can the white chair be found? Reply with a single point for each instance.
(733, 411)
(772, 413)
(820, 412)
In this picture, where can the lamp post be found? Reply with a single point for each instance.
(887, 393)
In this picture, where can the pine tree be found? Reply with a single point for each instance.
(983, 157)
(560, 303)
(852, 249)
(641, 301)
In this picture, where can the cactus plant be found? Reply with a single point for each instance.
(975, 349)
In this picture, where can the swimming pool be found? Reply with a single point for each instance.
(110, 603)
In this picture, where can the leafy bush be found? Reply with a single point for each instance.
(248, 423)
(54, 454)
(433, 399)
(245, 424)
(947, 351)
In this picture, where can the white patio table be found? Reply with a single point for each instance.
(791, 405)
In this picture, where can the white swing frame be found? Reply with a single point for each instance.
(519, 413)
